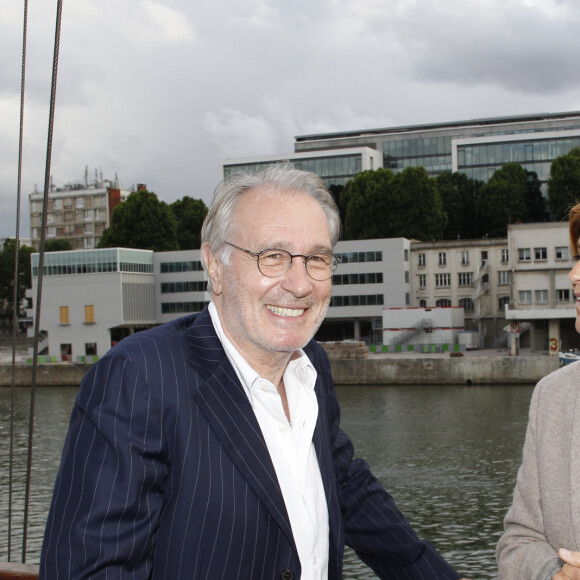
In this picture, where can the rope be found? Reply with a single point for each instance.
(16, 268)
(40, 271)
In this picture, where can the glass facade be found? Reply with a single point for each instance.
(94, 261)
(333, 169)
(536, 155)
(432, 153)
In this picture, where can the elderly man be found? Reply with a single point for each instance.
(210, 447)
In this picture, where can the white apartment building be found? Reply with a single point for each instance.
(542, 300)
(76, 213)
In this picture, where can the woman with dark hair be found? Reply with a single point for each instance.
(542, 528)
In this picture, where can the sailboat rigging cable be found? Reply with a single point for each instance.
(16, 270)
(40, 264)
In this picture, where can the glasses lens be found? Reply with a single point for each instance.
(274, 262)
(320, 266)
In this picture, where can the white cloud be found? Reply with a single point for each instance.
(159, 91)
(169, 24)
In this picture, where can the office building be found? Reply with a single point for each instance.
(474, 147)
(93, 298)
(334, 167)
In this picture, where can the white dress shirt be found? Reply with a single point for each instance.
(291, 449)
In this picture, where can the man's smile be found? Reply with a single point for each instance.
(292, 312)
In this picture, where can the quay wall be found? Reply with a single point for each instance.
(377, 370)
(467, 370)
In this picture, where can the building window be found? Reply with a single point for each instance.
(65, 350)
(505, 256)
(406, 276)
(503, 302)
(64, 317)
(524, 254)
(422, 280)
(89, 215)
(90, 348)
(80, 202)
(362, 300)
(442, 280)
(89, 314)
(344, 279)
(562, 253)
(442, 259)
(541, 296)
(540, 253)
(503, 277)
(443, 302)
(51, 232)
(422, 303)
(465, 278)
(483, 257)
(563, 295)
(354, 257)
(421, 260)
(467, 304)
(406, 255)
(525, 296)
(465, 257)
(89, 243)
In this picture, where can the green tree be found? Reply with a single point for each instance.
(143, 222)
(7, 275)
(366, 200)
(336, 192)
(459, 195)
(57, 246)
(416, 210)
(502, 199)
(189, 214)
(564, 184)
(536, 206)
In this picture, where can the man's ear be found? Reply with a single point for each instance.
(214, 269)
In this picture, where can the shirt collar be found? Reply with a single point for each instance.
(299, 365)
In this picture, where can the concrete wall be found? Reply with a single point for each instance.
(379, 371)
(47, 375)
(444, 371)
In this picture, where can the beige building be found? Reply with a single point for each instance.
(473, 274)
(76, 213)
(542, 304)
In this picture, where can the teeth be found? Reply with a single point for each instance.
(286, 311)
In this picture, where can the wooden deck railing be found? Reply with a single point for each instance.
(13, 571)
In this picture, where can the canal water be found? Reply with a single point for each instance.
(448, 454)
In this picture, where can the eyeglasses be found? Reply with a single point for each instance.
(273, 262)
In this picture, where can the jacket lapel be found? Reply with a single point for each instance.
(224, 403)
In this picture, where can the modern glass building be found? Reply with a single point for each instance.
(335, 167)
(474, 147)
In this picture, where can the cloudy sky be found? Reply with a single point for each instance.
(158, 91)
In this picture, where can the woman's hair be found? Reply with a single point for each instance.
(575, 228)
(280, 177)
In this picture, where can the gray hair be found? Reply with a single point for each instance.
(281, 177)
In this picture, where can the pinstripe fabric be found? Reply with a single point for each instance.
(165, 475)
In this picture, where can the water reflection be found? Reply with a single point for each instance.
(448, 454)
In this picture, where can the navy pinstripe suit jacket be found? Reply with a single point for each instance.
(165, 475)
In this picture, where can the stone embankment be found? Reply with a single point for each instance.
(351, 363)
